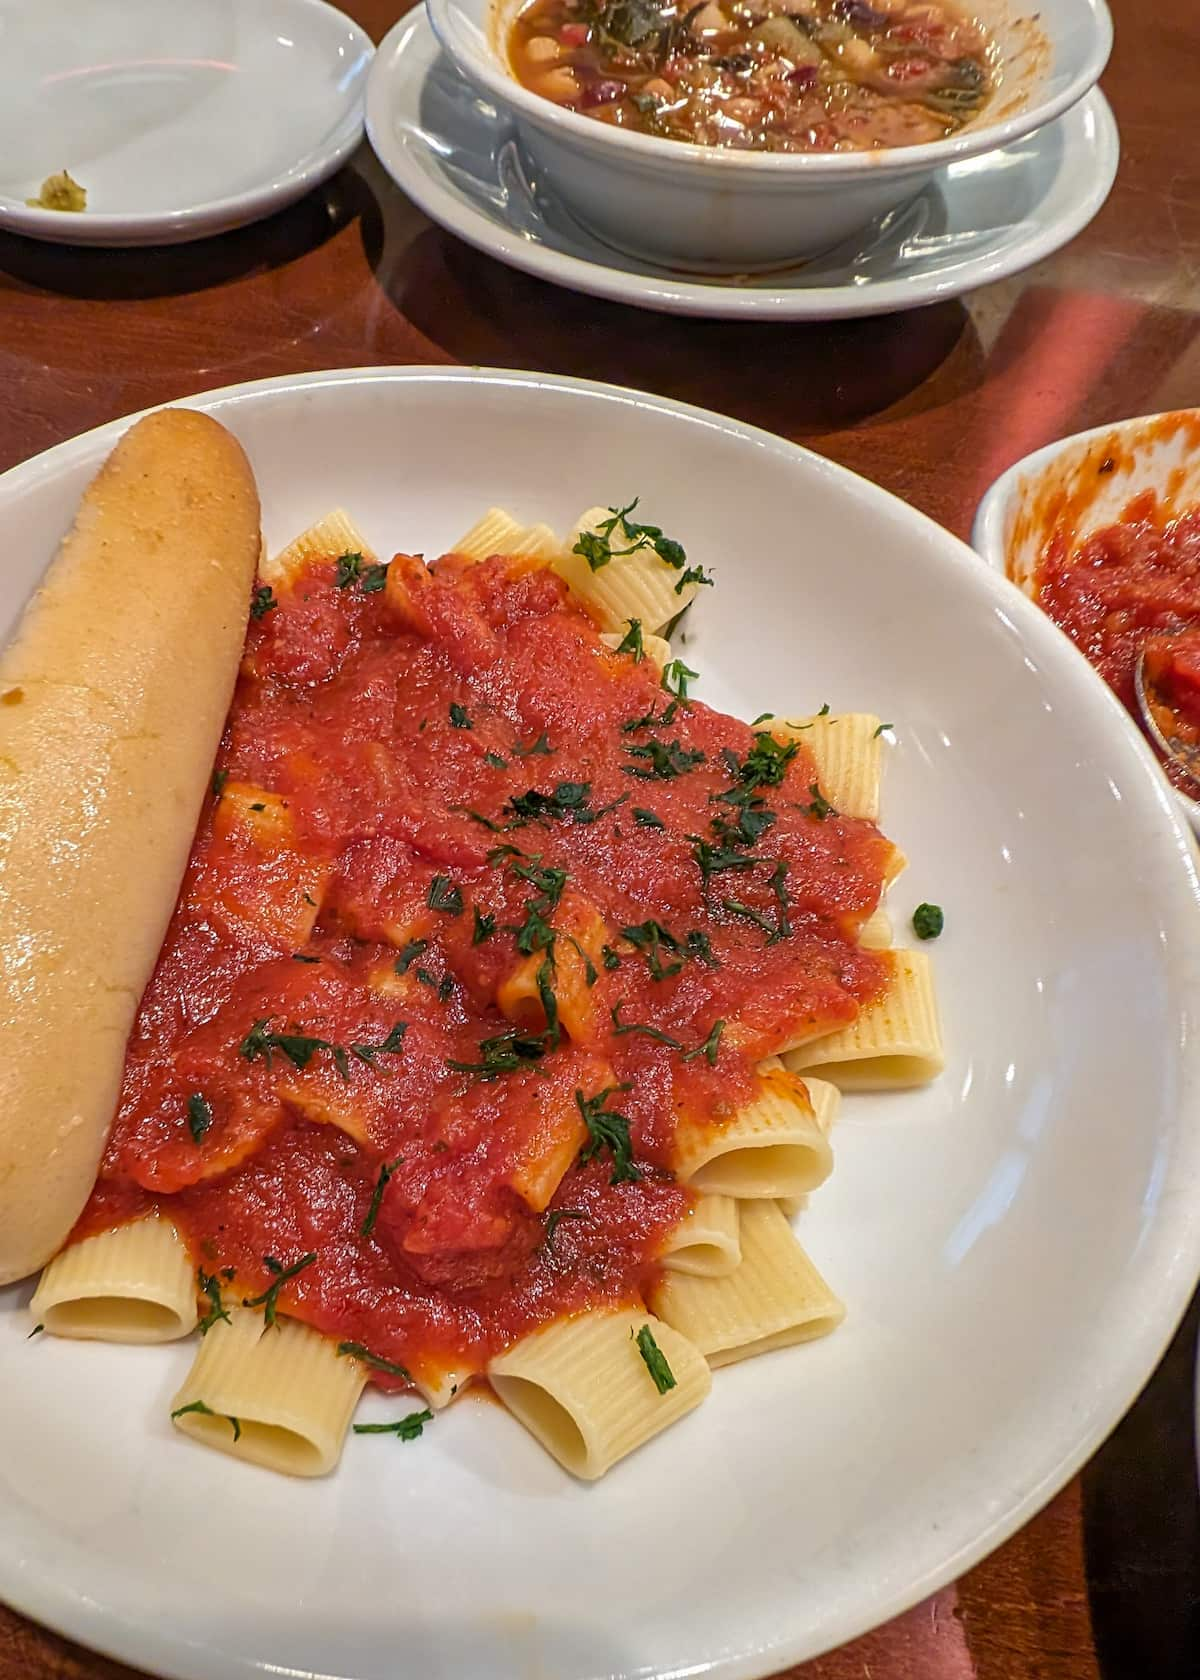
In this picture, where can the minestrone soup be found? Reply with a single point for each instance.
(760, 75)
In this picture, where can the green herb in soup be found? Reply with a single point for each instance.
(760, 75)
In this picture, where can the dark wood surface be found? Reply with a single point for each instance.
(1105, 1583)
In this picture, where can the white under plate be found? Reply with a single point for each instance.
(458, 158)
(1015, 1243)
(181, 118)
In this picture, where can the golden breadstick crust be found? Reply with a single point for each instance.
(113, 695)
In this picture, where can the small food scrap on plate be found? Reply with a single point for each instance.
(501, 1009)
(60, 192)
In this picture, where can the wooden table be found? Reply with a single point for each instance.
(1105, 1583)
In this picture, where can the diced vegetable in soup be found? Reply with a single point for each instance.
(760, 75)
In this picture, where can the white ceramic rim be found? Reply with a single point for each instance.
(669, 156)
(693, 297)
(216, 215)
(987, 533)
(1136, 1339)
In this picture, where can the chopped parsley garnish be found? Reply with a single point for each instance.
(262, 601)
(386, 1169)
(820, 807)
(608, 1130)
(710, 1046)
(824, 712)
(299, 1048)
(765, 765)
(485, 926)
(258, 807)
(355, 1350)
(676, 677)
(609, 957)
(569, 802)
(567, 799)
(541, 748)
(36, 1331)
(349, 569)
(597, 548)
(752, 821)
(620, 1027)
(459, 716)
(632, 641)
(715, 860)
(494, 760)
(655, 1360)
(647, 819)
(548, 881)
(665, 760)
(219, 778)
(694, 574)
(407, 1428)
(299, 956)
(881, 730)
(749, 914)
(535, 932)
(445, 896)
(928, 921)
(199, 1113)
(589, 967)
(446, 987)
(696, 945)
(478, 817)
(211, 1287)
(652, 719)
(391, 1046)
(545, 989)
(373, 579)
(508, 1052)
(761, 718)
(410, 953)
(207, 1411)
(651, 938)
(778, 885)
(555, 1217)
(269, 1299)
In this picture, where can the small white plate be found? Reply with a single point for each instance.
(1015, 1242)
(457, 157)
(181, 118)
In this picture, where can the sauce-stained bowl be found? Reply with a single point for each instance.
(712, 209)
(1083, 483)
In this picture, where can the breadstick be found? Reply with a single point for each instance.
(113, 695)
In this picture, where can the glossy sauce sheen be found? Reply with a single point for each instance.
(760, 75)
(342, 731)
(1120, 586)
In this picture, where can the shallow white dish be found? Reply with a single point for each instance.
(1060, 487)
(457, 156)
(707, 207)
(181, 118)
(1016, 1243)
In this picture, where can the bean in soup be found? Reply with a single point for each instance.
(760, 75)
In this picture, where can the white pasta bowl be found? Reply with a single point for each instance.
(1015, 1242)
(1080, 485)
(711, 209)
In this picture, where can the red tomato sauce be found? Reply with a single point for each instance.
(424, 757)
(1122, 585)
(1173, 678)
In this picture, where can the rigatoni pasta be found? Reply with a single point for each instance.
(480, 1041)
(135, 1283)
